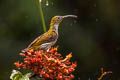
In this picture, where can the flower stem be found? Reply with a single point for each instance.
(42, 16)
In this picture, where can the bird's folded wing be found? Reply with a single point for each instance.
(45, 38)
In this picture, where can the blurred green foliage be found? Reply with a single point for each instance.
(94, 38)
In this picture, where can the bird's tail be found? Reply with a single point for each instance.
(26, 50)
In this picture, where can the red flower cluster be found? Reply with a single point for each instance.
(48, 64)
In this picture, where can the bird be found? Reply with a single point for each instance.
(49, 38)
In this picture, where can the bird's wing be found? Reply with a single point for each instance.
(45, 38)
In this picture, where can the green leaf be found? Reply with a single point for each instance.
(26, 76)
(17, 75)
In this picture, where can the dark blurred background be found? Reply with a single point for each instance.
(93, 38)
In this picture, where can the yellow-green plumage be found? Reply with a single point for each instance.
(49, 37)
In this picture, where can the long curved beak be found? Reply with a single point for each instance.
(72, 16)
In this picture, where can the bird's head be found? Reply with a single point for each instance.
(57, 19)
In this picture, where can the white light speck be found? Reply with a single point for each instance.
(89, 79)
(40, 0)
(79, 78)
(71, 24)
(95, 5)
(47, 3)
(97, 20)
(75, 21)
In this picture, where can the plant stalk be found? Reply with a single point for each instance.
(42, 16)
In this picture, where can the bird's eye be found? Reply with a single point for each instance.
(58, 18)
